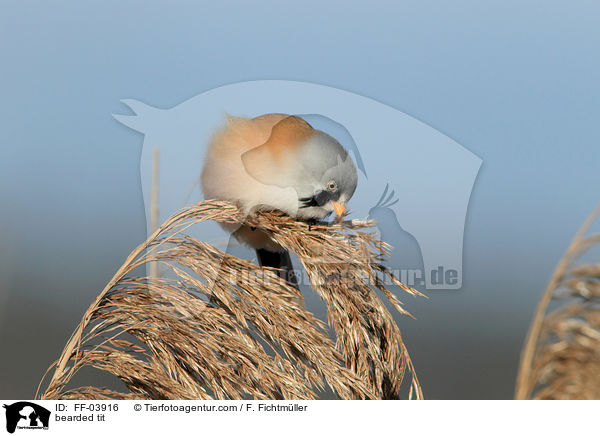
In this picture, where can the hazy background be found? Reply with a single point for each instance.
(514, 82)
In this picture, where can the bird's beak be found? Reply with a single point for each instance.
(339, 208)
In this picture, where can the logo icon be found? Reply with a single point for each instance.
(426, 177)
(26, 415)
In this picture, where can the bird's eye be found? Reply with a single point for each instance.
(332, 186)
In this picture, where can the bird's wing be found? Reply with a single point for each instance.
(267, 163)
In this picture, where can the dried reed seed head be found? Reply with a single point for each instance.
(561, 357)
(216, 326)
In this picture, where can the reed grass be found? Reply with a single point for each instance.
(219, 327)
(561, 355)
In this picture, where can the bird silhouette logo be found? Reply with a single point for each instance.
(406, 250)
(427, 177)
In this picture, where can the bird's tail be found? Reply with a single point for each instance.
(281, 261)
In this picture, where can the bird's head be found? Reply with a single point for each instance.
(326, 177)
(311, 162)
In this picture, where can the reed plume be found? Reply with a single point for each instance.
(561, 356)
(219, 327)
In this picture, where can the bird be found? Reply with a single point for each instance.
(277, 162)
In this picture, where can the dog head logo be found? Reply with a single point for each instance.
(26, 415)
(415, 181)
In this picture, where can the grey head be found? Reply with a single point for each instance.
(325, 177)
